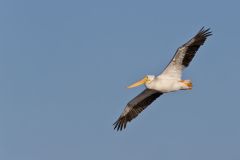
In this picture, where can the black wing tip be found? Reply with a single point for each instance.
(120, 124)
(205, 32)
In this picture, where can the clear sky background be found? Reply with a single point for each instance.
(65, 65)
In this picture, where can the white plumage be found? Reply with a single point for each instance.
(169, 81)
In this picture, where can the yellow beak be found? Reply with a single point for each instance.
(138, 83)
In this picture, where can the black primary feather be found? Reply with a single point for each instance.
(135, 107)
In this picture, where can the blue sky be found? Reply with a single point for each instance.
(65, 65)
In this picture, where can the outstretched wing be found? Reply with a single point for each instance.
(185, 54)
(136, 106)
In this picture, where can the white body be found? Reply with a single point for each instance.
(164, 84)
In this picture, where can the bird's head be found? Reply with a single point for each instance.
(146, 80)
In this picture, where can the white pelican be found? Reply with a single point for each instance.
(168, 81)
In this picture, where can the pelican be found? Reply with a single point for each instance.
(168, 81)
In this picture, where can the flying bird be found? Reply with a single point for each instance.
(168, 81)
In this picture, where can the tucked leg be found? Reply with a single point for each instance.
(186, 84)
